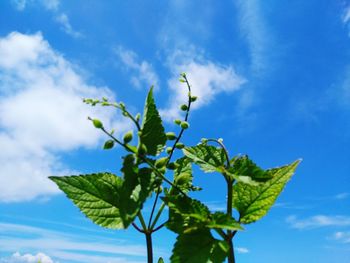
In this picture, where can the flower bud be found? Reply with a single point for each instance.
(127, 137)
(108, 145)
(170, 136)
(193, 98)
(142, 149)
(177, 121)
(184, 107)
(97, 123)
(168, 150)
(179, 145)
(161, 162)
(184, 125)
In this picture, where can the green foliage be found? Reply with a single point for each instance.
(153, 135)
(209, 158)
(200, 247)
(253, 202)
(116, 202)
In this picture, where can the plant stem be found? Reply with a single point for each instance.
(231, 255)
(149, 247)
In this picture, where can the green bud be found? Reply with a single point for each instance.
(161, 162)
(193, 98)
(172, 166)
(181, 179)
(138, 116)
(168, 150)
(108, 145)
(204, 140)
(183, 74)
(170, 136)
(142, 149)
(158, 190)
(97, 123)
(182, 80)
(184, 107)
(127, 137)
(177, 121)
(104, 99)
(179, 145)
(184, 125)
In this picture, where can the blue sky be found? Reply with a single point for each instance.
(272, 79)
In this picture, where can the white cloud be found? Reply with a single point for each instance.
(68, 247)
(318, 221)
(144, 74)
(51, 4)
(242, 250)
(27, 258)
(42, 115)
(63, 20)
(207, 80)
(343, 237)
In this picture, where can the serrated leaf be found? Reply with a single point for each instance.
(223, 221)
(209, 158)
(96, 195)
(183, 174)
(137, 186)
(253, 202)
(200, 247)
(152, 130)
(106, 199)
(242, 168)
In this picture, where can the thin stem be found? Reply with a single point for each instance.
(231, 255)
(158, 215)
(225, 150)
(142, 221)
(171, 154)
(137, 228)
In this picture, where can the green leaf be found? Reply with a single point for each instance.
(106, 199)
(200, 247)
(160, 260)
(96, 195)
(137, 186)
(209, 158)
(253, 202)
(223, 221)
(152, 130)
(183, 174)
(242, 168)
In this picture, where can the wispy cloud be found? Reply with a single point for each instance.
(53, 6)
(143, 72)
(242, 250)
(41, 106)
(342, 196)
(343, 237)
(318, 221)
(254, 29)
(206, 77)
(63, 20)
(65, 246)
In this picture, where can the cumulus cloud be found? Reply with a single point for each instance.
(143, 72)
(207, 80)
(27, 258)
(42, 115)
(318, 221)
